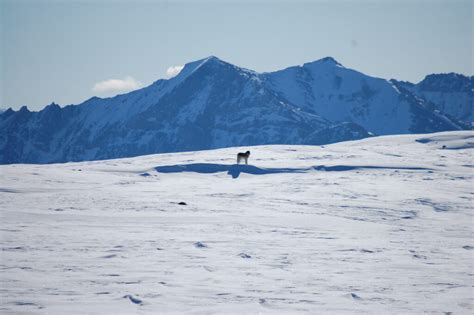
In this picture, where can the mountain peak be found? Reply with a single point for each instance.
(209, 59)
(190, 67)
(327, 61)
(24, 109)
(7, 112)
(446, 76)
(212, 58)
(52, 106)
(445, 82)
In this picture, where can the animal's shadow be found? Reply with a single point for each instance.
(233, 170)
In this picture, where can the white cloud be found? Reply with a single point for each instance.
(173, 71)
(117, 85)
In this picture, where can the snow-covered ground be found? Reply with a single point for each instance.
(378, 225)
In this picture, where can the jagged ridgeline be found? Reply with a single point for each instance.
(214, 104)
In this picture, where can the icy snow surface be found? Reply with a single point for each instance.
(377, 225)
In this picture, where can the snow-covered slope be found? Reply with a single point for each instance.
(214, 104)
(339, 94)
(380, 225)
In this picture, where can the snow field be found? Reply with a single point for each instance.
(381, 225)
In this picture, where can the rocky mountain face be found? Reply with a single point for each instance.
(450, 93)
(213, 104)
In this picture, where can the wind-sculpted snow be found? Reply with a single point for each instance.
(381, 225)
(214, 104)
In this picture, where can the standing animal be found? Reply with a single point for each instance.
(243, 156)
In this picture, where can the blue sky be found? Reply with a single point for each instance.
(69, 51)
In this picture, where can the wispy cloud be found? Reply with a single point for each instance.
(173, 71)
(117, 85)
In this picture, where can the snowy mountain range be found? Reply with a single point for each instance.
(214, 104)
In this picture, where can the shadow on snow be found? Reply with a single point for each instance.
(235, 169)
(341, 168)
